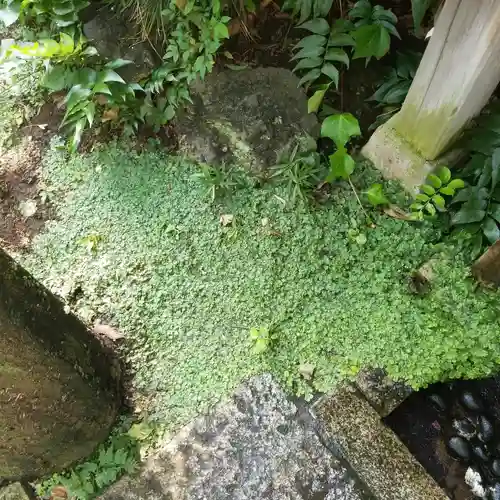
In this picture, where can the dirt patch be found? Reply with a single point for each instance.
(23, 210)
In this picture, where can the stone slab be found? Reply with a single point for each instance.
(379, 458)
(382, 393)
(257, 445)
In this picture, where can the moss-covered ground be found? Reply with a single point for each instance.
(186, 290)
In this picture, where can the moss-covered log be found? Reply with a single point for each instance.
(58, 390)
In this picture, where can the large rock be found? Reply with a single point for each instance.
(247, 117)
(258, 445)
(114, 39)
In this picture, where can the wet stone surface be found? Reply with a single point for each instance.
(257, 445)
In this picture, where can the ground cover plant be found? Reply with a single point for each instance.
(208, 293)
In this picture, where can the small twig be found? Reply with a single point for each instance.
(357, 197)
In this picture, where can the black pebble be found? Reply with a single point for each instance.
(485, 429)
(459, 448)
(465, 428)
(438, 402)
(480, 453)
(495, 467)
(471, 402)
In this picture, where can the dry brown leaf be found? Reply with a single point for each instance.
(58, 493)
(101, 99)
(181, 4)
(397, 213)
(110, 114)
(226, 219)
(107, 331)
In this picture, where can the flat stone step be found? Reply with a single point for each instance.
(373, 450)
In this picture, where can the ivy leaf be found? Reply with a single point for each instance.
(55, 78)
(341, 165)
(495, 168)
(318, 26)
(434, 181)
(331, 72)
(340, 128)
(311, 41)
(314, 102)
(428, 189)
(371, 41)
(117, 63)
(438, 200)
(467, 214)
(456, 184)
(419, 8)
(490, 230)
(376, 196)
(444, 174)
(310, 76)
(10, 14)
(313, 62)
(337, 55)
(495, 211)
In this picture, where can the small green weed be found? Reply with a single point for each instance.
(117, 456)
(431, 197)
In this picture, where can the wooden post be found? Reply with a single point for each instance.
(458, 73)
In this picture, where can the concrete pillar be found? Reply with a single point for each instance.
(458, 73)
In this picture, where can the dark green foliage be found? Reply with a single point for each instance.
(419, 9)
(475, 211)
(393, 90)
(299, 172)
(187, 292)
(117, 456)
(318, 54)
(304, 9)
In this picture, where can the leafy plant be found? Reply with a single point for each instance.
(319, 51)
(217, 181)
(54, 13)
(419, 9)
(393, 90)
(299, 172)
(340, 129)
(374, 27)
(430, 200)
(85, 481)
(376, 196)
(304, 9)
(260, 338)
(476, 209)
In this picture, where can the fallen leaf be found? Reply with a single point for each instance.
(226, 219)
(28, 208)
(107, 331)
(397, 213)
(110, 114)
(101, 99)
(58, 493)
(307, 370)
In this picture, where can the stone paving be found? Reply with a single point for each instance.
(257, 445)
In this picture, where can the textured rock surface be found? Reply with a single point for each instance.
(13, 491)
(380, 459)
(381, 392)
(248, 116)
(113, 39)
(258, 445)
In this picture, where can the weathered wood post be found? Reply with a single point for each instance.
(458, 73)
(59, 392)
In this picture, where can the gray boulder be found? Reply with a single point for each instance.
(115, 39)
(247, 117)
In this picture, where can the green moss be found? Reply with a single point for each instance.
(423, 130)
(186, 291)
